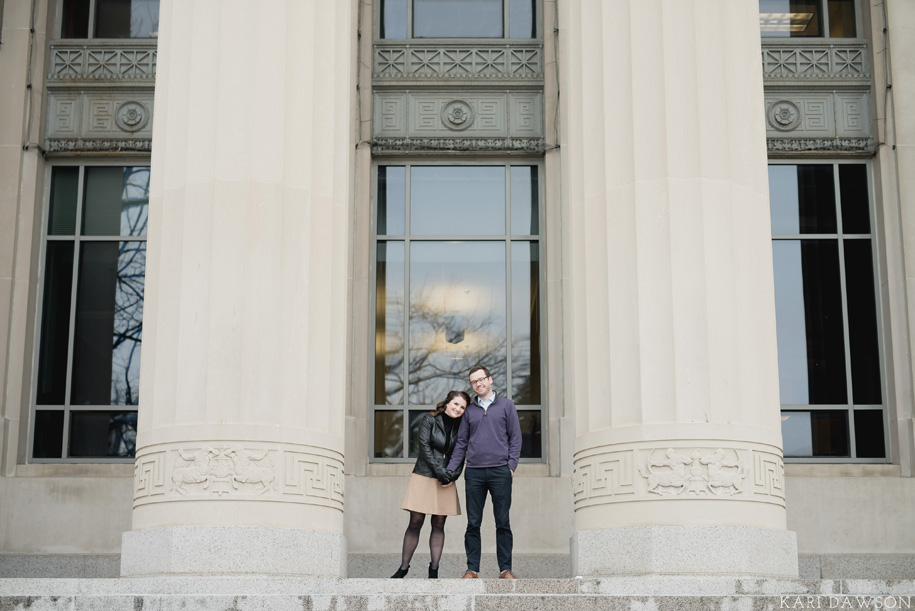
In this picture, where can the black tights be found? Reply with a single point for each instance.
(411, 538)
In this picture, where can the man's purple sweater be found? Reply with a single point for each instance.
(488, 438)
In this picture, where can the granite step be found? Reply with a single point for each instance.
(643, 593)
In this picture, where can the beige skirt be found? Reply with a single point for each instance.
(426, 495)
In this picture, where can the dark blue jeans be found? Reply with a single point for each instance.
(497, 481)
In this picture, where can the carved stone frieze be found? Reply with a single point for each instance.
(814, 120)
(516, 62)
(97, 145)
(673, 474)
(615, 474)
(434, 115)
(240, 471)
(111, 63)
(96, 120)
(397, 145)
(838, 145)
(815, 62)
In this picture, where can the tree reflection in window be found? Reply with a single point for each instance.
(443, 305)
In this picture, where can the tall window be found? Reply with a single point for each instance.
(457, 284)
(91, 320)
(829, 360)
(109, 19)
(808, 18)
(457, 19)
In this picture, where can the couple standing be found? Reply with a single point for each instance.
(486, 432)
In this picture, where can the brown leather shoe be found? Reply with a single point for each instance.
(507, 574)
(468, 574)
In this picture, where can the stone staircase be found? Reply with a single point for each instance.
(643, 593)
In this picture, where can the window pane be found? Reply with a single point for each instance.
(525, 288)
(525, 206)
(389, 321)
(463, 200)
(457, 315)
(457, 18)
(521, 19)
(416, 417)
(55, 324)
(531, 443)
(862, 323)
(815, 434)
(109, 323)
(49, 434)
(790, 18)
(869, 441)
(808, 304)
(126, 18)
(388, 434)
(102, 434)
(62, 210)
(842, 18)
(75, 19)
(802, 199)
(392, 197)
(116, 201)
(393, 19)
(855, 202)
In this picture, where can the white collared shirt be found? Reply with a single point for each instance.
(484, 403)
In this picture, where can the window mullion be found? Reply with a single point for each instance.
(74, 291)
(508, 284)
(409, 29)
(91, 28)
(843, 288)
(824, 8)
(506, 33)
(406, 312)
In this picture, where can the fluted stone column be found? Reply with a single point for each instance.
(671, 353)
(239, 464)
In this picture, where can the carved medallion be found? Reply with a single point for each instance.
(457, 115)
(784, 116)
(132, 116)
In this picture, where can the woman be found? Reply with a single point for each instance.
(430, 491)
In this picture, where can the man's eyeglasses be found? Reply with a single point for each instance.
(478, 381)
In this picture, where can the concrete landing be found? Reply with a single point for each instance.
(617, 594)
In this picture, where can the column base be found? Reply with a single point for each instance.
(685, 550)
(242, 550)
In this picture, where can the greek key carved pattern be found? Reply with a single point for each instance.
(769, 476)
(457, 63)
(682, 473)
(603, 475)
(816, 63)
(149, 475)
(102, 63)
(314, 476)
(65, 116)
(853, 114)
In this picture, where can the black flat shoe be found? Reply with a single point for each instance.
(401, 573)
(433, 573)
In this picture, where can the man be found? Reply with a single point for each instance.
(490, 438)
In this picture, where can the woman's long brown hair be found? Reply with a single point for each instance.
(440, 408)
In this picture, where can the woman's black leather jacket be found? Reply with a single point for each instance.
(435, 448)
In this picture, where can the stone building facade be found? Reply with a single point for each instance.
(244, 246)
